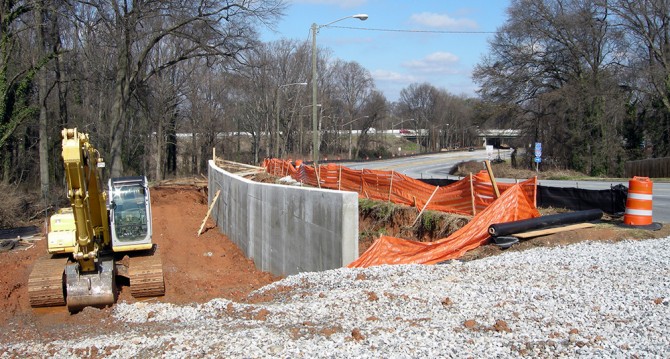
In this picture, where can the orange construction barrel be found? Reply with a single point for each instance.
(639, 202)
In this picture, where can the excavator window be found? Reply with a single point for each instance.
(130, 213)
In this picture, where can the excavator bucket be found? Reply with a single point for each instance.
(95, 289)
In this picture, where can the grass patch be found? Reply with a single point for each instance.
(505, 170)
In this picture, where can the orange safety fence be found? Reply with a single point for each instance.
(512, 205)
(472, 195)
(467, 196)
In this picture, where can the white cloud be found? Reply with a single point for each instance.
(391, 83)
(386, 75)
(443, 21)
(436, 63)
(345, 4)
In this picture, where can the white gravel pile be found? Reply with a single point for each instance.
(590, 299)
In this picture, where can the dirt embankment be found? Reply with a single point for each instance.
(197, 269)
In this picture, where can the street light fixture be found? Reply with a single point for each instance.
(315, 123)
(277, 113)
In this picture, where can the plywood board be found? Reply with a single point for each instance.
(544, 232)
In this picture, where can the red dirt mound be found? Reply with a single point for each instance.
(197, 269)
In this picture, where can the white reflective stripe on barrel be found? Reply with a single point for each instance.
(638, 212)
(645, 197)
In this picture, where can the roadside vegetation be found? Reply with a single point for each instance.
(158, 85)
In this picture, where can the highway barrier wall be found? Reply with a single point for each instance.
(286, 229)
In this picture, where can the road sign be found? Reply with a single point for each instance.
(538, 146)
(538, 159)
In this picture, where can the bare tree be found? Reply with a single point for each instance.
(352, 88)
(375, 108)
(558, 61)
(18, 68)
(136, 29)
(647, 26)
(418, 102)
(286, 65)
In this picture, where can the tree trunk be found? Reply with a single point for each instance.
(194, 149)
(118, 120)
(160, 144)
(171, 136)
(42, 100)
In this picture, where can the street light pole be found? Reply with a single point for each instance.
(277, 114)
(301, 121)
(315, 123)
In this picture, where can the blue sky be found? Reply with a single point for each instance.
(398, 59)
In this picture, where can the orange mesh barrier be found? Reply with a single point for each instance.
(512, 205)
(398, 188)
(517, 201)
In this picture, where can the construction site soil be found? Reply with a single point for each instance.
(200, 268)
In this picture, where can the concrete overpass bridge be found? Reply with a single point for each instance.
(495, 137)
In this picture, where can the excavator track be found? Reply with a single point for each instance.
(146, 276)
(45, 284)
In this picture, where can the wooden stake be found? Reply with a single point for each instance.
(472, 196)
(391, 186)
(339, 180)
(216, 196)
(496, 192)
(425, 205)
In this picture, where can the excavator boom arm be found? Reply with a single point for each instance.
(87, 199)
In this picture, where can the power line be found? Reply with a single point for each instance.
(413, 31)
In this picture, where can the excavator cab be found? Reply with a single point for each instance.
(130, 213)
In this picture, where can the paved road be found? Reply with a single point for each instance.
(438, 165)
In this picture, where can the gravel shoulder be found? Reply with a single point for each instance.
(588, 299)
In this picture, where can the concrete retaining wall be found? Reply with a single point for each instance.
(286, 229)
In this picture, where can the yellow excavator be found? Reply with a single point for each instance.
(100, 239)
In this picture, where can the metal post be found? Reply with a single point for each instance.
(315, 122)
(277, 123)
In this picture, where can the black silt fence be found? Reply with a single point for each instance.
(611, 201)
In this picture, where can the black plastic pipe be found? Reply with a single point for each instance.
(505, 229)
